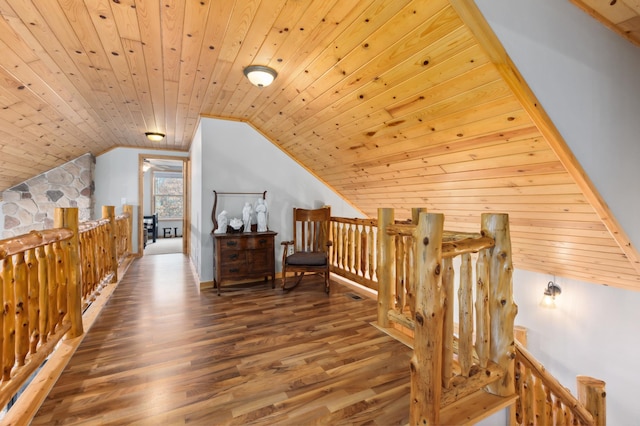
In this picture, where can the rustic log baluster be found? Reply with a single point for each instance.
(372, 254)
(400, 274)
(53, 288)
(465, 316)
(109, 212)
(483, 325)
(539, 400)
(528, 399)
(357, 249)
(9, 331)
(447, 333)
(364, 252)
(410, 277)
(21, 308)
(34, 299)
(61, 283)
(43, 295)
(348, 244)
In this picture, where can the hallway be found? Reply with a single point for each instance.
(163, 353)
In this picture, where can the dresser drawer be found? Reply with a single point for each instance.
(245, 243)
(228, 256)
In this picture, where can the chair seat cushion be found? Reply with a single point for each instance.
(304, 258)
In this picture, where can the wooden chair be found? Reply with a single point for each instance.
(310, 246)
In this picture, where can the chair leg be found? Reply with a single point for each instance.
(284, 277)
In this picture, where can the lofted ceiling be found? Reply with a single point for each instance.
(393, 103)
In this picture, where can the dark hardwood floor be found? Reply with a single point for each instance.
(163, 353)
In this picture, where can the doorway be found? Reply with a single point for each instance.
(163, 213)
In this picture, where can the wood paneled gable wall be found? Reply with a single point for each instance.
(395, 103)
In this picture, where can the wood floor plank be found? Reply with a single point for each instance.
(162, 352)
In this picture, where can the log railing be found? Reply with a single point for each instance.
(47, 278)
(353, 248)
(544, 401)
(416, 292)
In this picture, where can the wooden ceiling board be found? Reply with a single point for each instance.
(392, 103)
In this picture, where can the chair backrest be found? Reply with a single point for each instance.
(311, 229)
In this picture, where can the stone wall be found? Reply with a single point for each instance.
(30, 205)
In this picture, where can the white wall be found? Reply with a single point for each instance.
(586, 78)
(116, 179)
(236, 158)
(593, 331)
(199, 233)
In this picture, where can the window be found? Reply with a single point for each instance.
(168, 199)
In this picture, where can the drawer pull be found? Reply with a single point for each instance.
(234, 256)
(232, 243)
(262, 241)
(234, 270)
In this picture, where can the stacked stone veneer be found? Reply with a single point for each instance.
(31, 204)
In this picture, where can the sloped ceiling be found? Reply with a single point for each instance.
(394, 103)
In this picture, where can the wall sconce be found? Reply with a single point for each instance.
(550, 293)
(259, 75)
(146, 165)
(154, 136)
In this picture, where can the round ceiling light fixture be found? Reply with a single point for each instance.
(260, 75)
(154, 136)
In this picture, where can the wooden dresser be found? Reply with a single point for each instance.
(243, 256)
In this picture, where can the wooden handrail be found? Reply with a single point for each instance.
(32, 240)
(554, 386)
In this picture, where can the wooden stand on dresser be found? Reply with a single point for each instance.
(243, 256)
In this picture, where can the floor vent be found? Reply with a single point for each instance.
(354, 296)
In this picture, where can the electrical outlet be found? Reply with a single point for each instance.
(290, 250)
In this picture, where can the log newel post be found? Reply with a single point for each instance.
(426, 363)
(68, 218)
(385, 264)
(592, 395)
(128, 209)
(112, 248)
(502, 309)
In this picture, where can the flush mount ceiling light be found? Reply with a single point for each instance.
(259, 75)
(154, 136)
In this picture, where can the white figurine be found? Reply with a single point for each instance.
(223, 221)
(246, 216)
(261, 213)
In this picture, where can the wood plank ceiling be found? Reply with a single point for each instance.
(396, 103)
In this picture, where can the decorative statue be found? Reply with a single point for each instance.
(246, 216)
(261, 214)
(223, 221)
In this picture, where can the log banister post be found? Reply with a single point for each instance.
(109, 212)
(128, 209)
(501, 306)
(385, 264)
(592, 395)
(68, 218)
(426, 363)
